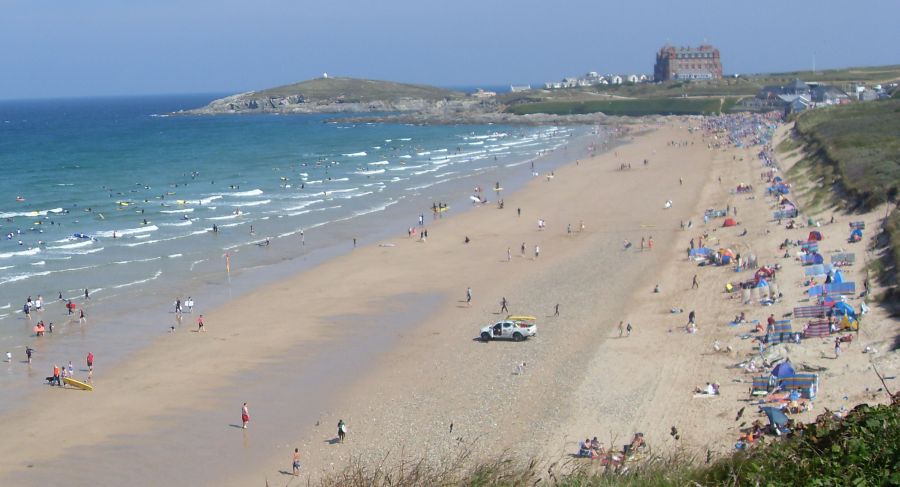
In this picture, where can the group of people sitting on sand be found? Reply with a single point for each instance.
(593, 449)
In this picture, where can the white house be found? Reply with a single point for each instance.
(616, 80)
(632, 78)
(520, 88)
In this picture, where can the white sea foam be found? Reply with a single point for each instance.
(369, 173)
(183, 210)
(175, 256)
(127, 231)
(13, 214)
(379, 163)
(223, 217)
(40, 262)
(151, 259)
(406, 139)
(77, 245)
(84, 252)
(426, 171)
(406, 157)
(252, 203)
(179, 224)
(355, 154)
(406, 168)
(303, 205)
(22, 253)
(252, 192)
(142, 281)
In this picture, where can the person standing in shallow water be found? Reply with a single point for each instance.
(245, 416)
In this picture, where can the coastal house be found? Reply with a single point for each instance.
(632, 78)
(519, 88)
(794, 103)
(829, 95)
(615, 79)
(481, 94)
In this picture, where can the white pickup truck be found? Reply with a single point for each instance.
(517, 328)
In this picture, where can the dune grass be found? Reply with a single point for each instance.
(862, 449)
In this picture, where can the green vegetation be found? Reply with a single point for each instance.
(862, 449)
(357, 90)
(892, 260)
(635, 107)
(862, 142)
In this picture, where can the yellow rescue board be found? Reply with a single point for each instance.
(78, 384)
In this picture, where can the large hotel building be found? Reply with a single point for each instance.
(687, 63)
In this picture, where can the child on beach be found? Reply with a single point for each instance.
(296, 462)
(342, 430)
(245, 416)
(200, 324)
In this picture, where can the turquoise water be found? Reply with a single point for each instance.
(142, 190)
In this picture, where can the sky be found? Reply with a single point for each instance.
(75, 48)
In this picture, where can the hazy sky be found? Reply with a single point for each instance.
(55, 48)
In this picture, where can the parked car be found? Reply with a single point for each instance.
(516, 328)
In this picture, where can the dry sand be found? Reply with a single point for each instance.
(383, 339)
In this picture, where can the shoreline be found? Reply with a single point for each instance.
(145, 363)
(427, 370)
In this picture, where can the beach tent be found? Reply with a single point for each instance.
(777, 179)
(856, 235)
(838, 277)
(729, 222)
(776, 416)
(783, 369)
(814, 235)
(842, 308)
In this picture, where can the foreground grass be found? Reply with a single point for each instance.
(862, 449)
(636, 107)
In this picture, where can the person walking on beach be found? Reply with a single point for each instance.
(691, 317)
(342, 430)
(178, 306)
(190, 304)
(556, 310)
(200, 324)
(469, 296)
(628, 329)
(87, 295)
(508, 255)
(537, 251)
(523, 249)
(694, 283)
(837, 348)
(81, 318)
(295, 464)
(503, 303)
(90, 361)
(519, 211)
(354, 242)
(245, 416)
(621, 328)
(28, 352)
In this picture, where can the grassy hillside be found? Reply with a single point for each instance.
(357, 90)
(630, 107)
(862, 142)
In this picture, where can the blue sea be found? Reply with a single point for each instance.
(117, 196)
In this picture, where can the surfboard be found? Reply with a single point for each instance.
(84, 386)
(498, 189)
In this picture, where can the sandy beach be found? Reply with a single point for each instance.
(383, 338)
